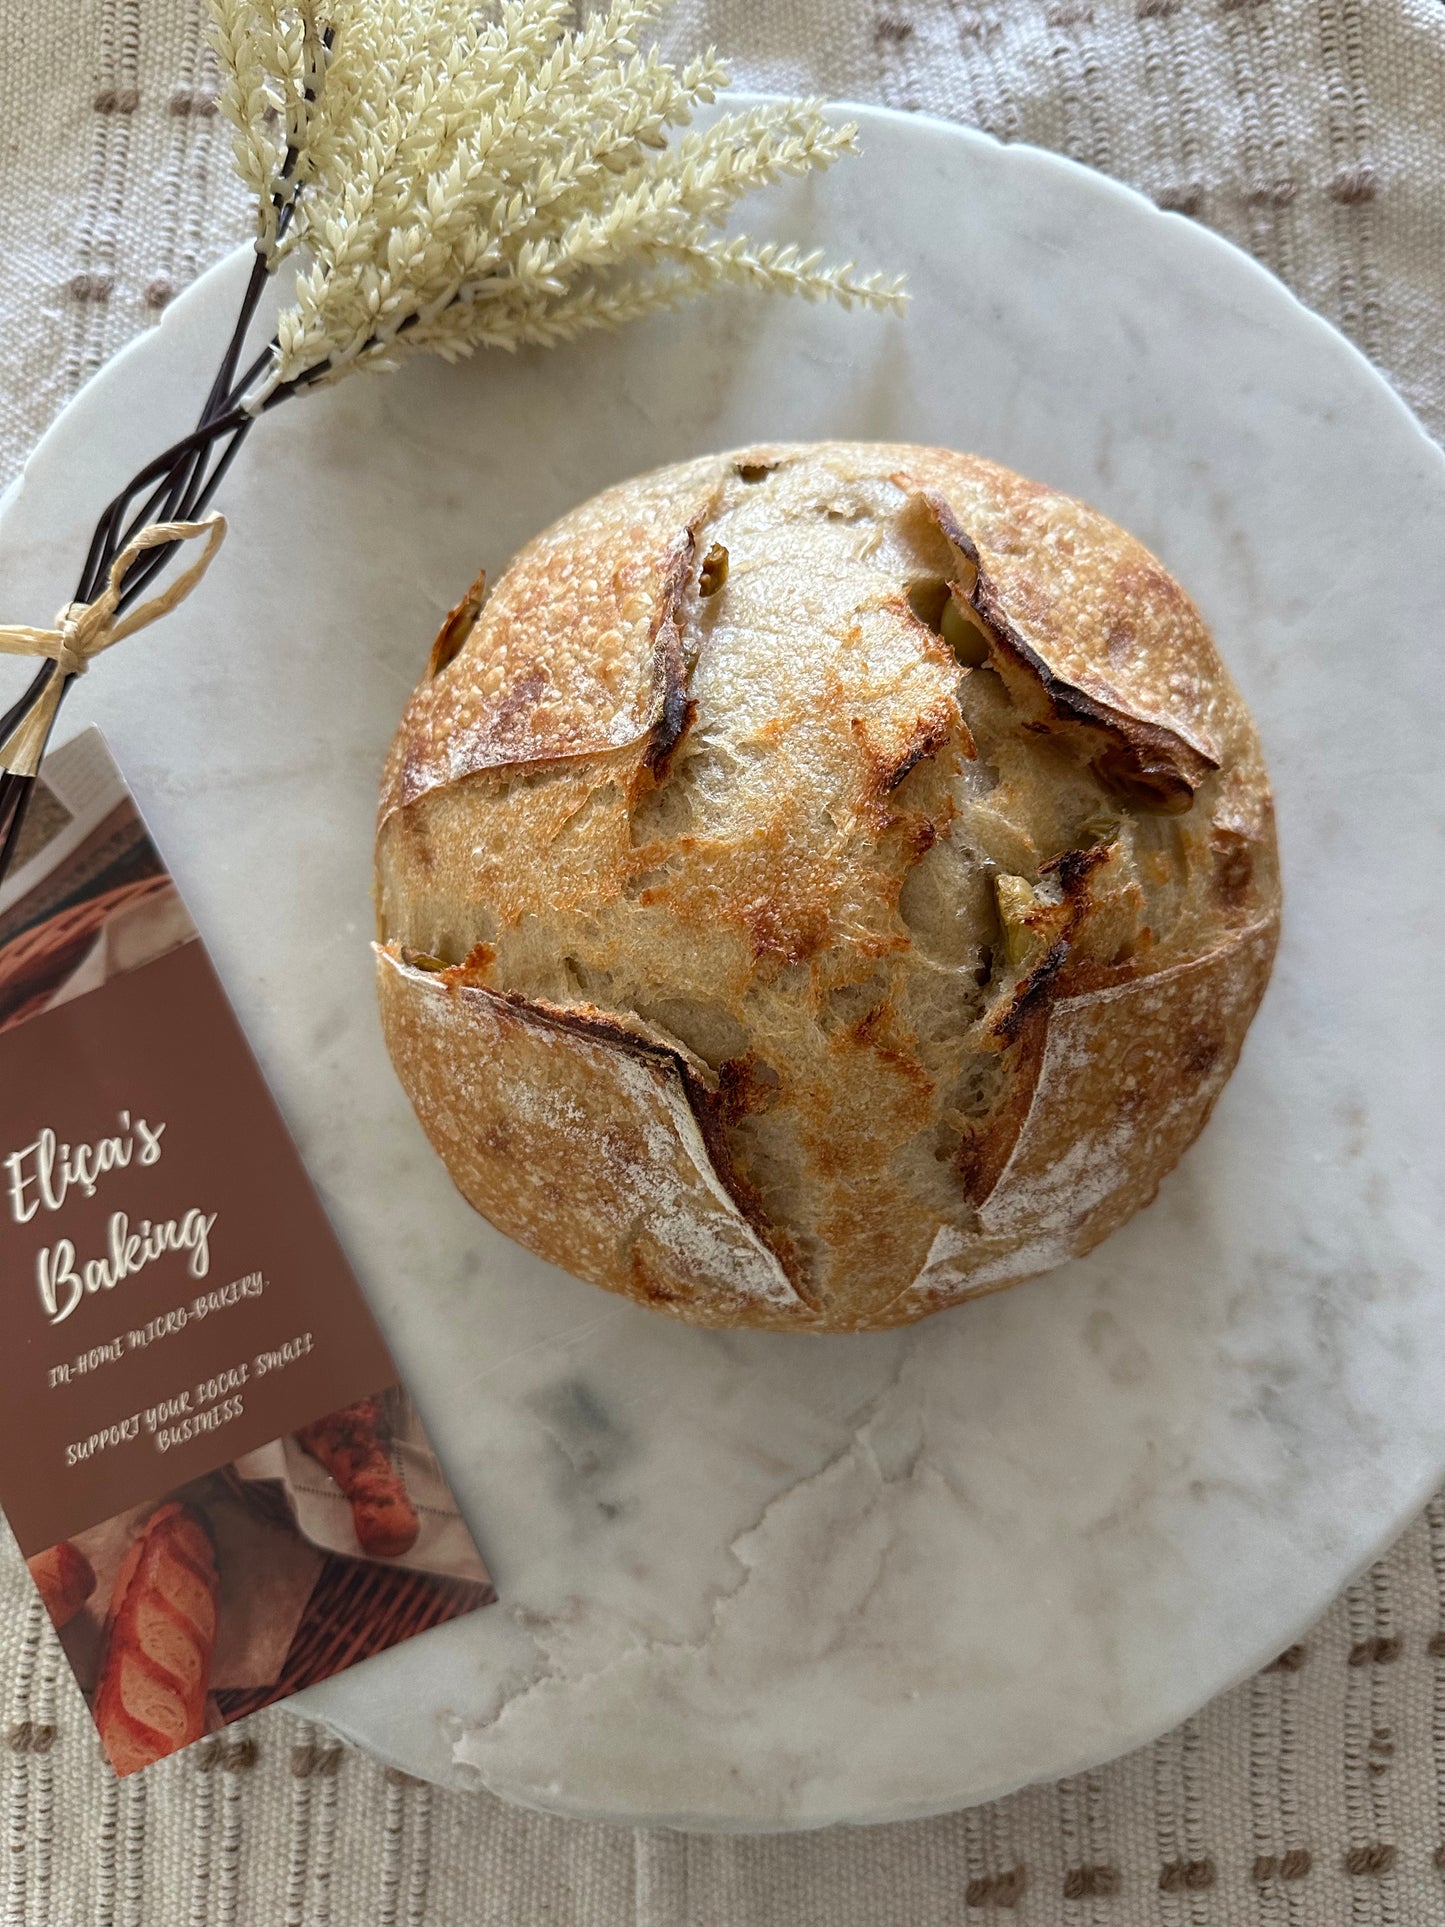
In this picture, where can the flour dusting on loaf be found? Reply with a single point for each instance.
(822, 883)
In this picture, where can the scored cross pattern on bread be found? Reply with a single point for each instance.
(150, 1697)
(822, 883)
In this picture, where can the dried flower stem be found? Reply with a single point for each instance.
(455, 175)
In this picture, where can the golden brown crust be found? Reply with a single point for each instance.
(786, 918)
(1085, 610)
(580, 646)
(1147, 1057)
(578, 1140)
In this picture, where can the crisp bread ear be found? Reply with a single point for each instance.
(579, 1137)
(1119, 1083)
(1100, 689)
(576, 652)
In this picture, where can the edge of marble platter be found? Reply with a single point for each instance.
(178, 317)
(190, 306)
(178, 313)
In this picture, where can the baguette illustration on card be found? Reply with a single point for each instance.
(349, 1444)
(221, 1490)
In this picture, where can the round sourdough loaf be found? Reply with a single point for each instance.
(821, 883)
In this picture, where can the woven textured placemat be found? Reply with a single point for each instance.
(1311, 132)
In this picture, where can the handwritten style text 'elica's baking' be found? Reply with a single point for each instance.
(42, 1175)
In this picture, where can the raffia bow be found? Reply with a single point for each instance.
(83, 629)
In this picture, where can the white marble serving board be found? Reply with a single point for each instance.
(768, 1581)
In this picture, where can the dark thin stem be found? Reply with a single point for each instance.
(104, 546)
(218, 474)
(248, 375)
(250, 301)
(186, 484)
(17, 712)
(158, 506)
(224, 387)
(100, 536)
(176, 470)
(179, 484)
(187, 457)
(172, 499)
(198, 498)
(165, 505)
(14, 800)
(201, 489)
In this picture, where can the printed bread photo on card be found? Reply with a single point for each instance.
(242, 1587)
(87, 897)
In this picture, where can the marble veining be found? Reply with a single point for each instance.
(761, 1580)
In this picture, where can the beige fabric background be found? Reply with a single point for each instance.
(1309, 131)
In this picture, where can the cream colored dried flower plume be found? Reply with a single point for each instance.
(456, 176)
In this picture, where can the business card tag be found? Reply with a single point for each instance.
(222, 1490)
